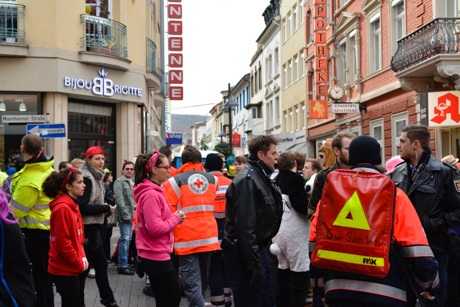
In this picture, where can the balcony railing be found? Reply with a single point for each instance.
(151, 56)
(11, 23)
(441, 36)
(105, 36)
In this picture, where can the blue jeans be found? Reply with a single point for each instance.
(190, 272)
(123, 243)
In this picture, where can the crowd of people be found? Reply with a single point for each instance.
(285, 231)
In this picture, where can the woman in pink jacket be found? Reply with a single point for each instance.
(154, 230)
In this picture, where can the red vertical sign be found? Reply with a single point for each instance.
(175, 47)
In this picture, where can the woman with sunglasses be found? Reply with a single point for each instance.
(154, 230)
(67, 260)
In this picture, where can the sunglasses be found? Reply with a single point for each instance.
(129, 169)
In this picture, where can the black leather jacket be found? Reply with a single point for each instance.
(253, 212)
(431, 188)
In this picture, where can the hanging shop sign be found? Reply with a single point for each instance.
(102, 86)
(444, 109)
(318, 107)
(345, 108)
(175, 47)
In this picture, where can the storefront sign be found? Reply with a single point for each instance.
(102, 86)
(236, 139)
(318, 107)
(344, 108)
(47, 131)
(175, 47)
(13, 119)
(173, 138)
(444, 109)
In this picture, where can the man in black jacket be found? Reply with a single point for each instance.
(431, 186)
(253, 216)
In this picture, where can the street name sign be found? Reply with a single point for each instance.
(344, 108)
(47, 131)
(29, 118)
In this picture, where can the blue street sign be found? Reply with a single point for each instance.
(173, 138)
(46, 131)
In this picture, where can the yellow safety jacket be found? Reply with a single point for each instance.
(3, 177)
(29, 203)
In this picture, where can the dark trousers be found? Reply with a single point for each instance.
(255, 291)
(37, 245)
(292, 288)
(218, 284)
(96, 256)
(164, 282)
(107, 236)
(454, 281)
(71, 289)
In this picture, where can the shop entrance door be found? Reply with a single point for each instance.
(90, 125)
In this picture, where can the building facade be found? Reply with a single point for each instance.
(93, 65)
(239, 100)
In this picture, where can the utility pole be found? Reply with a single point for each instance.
(229, 104)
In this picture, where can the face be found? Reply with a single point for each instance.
(240, 166)
(406, 148)
(97, 161)
(128, 171)
(321, 157)
(160, 173)
(343, 154)
(270, 157)
(77, 188)
(308, 170)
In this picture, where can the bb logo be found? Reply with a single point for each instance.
(352, 214)
(198, 183)
(103, 86)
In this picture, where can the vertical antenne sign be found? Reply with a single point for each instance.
(318, 106)
(175, 47)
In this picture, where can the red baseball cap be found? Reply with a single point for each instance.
(94, 150)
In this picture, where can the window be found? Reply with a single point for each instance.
(300, 122)
(283, 30)
(304, 111)
(301, 64)
(294, 19)
(257, 112)
(267, 117)
(292, 120)
(398, 23)
(342, 2)
(288, 25)
(374, 44)
(377, 131)
(276, 68)
(285, 120)
(353, 58)
(398, 123)
(267, 70)
(295, 66)
(300, 12)
(310, 27)
(310, 85)
(285, 83)
(255, 82)
(260, 77)
(342, 62)
(277, 111)
(289, 73)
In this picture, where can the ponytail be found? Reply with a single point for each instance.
(140, 167)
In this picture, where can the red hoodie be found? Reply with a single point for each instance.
(66, 243)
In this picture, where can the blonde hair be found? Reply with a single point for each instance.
(329, 155)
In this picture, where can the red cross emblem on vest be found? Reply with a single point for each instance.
(198, 183)
(447, 104)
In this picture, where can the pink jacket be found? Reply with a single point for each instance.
(155, 222)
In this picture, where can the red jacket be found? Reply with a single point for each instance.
(67, 238)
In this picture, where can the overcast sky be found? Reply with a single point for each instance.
(219, 41)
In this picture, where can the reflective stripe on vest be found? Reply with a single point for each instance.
(196, 243)
(198, 208)
(367, 287)
(28, 220)
(219, 215)
(20, 207)
(222, 189)
(174, 186)
(351, 258)
(41, 207)
(416, 251)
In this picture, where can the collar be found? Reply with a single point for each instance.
(189, 166)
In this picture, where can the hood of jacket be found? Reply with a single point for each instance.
(66, 199)
(36, 166)
(144, 187)
(189, 166)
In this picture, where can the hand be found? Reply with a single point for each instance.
(181, 215)
(427, 295)
(85, 263)
(112, 209)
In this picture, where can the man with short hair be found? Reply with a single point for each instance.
(253, 217)
(340, 144)
(433, 189)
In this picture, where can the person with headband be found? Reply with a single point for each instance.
(30, 206)
(94, 210)
(154, 230)
(67, 260)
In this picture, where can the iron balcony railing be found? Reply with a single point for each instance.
(106, 36)
(151, 56)
(440, 36)
(11, 23)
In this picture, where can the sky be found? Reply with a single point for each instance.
(219, 41)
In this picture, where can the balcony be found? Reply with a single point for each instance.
(12, 34)
(104, 42)
(431, 51)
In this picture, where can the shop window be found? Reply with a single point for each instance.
(377, 131)
(398, 123)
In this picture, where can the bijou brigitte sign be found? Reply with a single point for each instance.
(102, 86)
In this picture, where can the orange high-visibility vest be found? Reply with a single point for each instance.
(355, 222)
(222, 185)
(193, 191)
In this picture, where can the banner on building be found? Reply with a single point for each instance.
(318, 109)
(444, 109)
(175, 47)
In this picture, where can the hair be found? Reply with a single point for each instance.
(337, 140)
(5, 209)
(300, 159)
(315, 164)
(32, 144)
(261, 143)
(127, 162)
(241, 160)
(139, 167)
(166, 150)
(329, 155)
(77, 161)
(287, 161)
(56, 182)
(418, 133)
(107, 174)
(191, 154)
(63, 165)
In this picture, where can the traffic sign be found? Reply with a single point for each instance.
(46, 131)
(173, 138)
